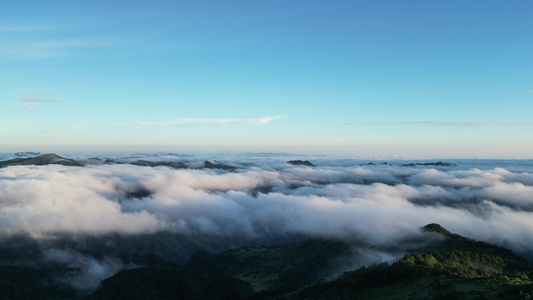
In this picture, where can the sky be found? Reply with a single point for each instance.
(354, 78)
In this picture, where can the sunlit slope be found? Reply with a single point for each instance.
(456, 268)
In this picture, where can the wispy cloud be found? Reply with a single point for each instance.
(31, 102)
(175, 122)
(74, 128)
(18, 29)
(32, 99)
(40, 90)
(437, 123)
(53, 47)
(193, 121)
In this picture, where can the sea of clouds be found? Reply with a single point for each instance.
(269, 200)
(379, 204)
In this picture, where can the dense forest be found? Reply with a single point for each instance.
(447, 266)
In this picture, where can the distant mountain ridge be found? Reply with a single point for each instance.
(54, 159)
(45, 159)
(301, 163)
(172, 160)
(430, 164)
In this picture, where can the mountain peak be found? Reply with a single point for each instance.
(434, 227)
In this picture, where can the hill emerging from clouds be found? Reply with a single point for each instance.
(41, 160)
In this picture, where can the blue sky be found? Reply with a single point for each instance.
(357, 78)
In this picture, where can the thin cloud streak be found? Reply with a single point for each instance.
(193, 121)
(437, 123)
(31, 99)
(31, 102)
(74, 128)
(176, 122)
(53, 47)
(7, 29)
(40, 90)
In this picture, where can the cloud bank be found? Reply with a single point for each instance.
(376, 204)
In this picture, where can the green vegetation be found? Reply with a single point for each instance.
(26, 273)
(26, 282)
(153, 283)
(451, 267)
(457, 268)
(279, 268)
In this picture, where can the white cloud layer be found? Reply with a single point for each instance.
(377, 204)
